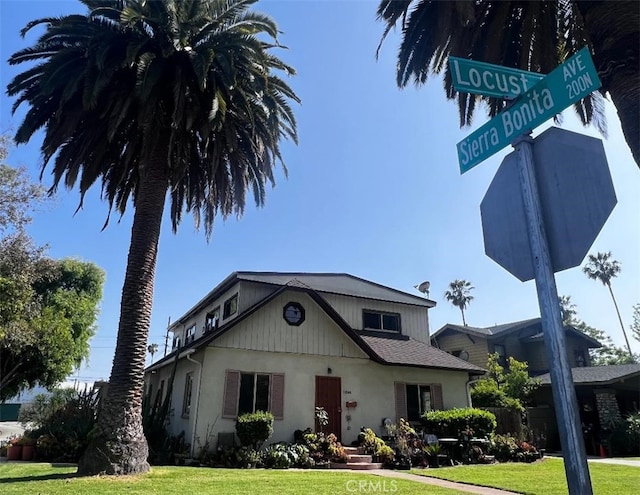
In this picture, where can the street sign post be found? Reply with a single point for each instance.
(566, 84)
(471, 76)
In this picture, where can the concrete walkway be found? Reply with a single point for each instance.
(461, 487)
(604, 460)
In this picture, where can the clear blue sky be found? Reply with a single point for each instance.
(373, 190)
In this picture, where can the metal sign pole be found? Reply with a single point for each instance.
(564, 396)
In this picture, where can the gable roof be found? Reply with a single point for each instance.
(332, 283)
(499, 331)
(398, 352)
(598, 375)
(338, 283)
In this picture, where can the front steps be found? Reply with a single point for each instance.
(357, 461)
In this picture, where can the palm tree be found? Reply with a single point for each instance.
(459, 295)
(534, 36)
(154, 97)
(152, 349)
(600, 267)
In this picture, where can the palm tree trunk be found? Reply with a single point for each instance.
(620, 320)
(464, 323)
(119, 445)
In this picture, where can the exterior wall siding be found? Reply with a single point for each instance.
(478, 351)
(414, 320)
(370, 384)
(200, 318)
(251, 293)
(266, 330)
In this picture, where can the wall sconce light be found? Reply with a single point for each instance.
(329, 371)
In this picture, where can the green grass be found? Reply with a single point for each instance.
(546, 477)
(45, 479)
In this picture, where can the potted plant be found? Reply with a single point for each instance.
(14, 450)
(28, 448)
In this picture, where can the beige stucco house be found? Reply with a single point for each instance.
(288, 342)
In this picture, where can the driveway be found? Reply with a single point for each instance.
(9, 429)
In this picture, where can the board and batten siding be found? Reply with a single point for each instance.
(266, 330)
(251, 293)
(478, 351)
(414, 320)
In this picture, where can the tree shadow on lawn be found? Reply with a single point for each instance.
(42, 477)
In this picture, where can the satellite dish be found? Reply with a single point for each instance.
(464, 355)
(424, 288)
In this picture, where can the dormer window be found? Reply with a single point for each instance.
(191, 334)
(230, 306)
(377, 320)
(211, 322)
(176, 343)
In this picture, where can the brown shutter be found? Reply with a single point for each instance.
(231, 393)
(401, 401)
(276, 398)
(436, 396)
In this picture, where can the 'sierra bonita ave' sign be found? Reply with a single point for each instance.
(568, 83)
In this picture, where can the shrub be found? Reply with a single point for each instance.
(236, 457)
(63, 432)
(506, 448)
(254, 428)
(279, 456)
(385, 454)
(324, 448)
(451, 422)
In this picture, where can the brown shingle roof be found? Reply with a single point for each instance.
(412, 352)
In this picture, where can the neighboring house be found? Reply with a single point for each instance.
(522, 340)
(606, 394)
(287, 342)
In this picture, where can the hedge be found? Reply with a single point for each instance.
(451, 422)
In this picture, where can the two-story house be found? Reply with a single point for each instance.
(522, 340)
(288, 342)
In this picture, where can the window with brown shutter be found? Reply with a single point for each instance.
(437, 401)
(401, 401)
(231, 393)
(250, 392)
(276, 405)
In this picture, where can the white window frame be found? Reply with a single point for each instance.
(381, 315)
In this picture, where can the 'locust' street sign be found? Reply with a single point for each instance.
(470, 76)
(566, 84)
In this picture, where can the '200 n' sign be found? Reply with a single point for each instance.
(566, 84)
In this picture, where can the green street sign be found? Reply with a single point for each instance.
(566, 84)
(470, 76)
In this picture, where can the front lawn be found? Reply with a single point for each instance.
(45, 479)
(546, 477)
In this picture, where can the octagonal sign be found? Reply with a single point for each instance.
(576, 197)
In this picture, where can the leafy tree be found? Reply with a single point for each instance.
(606, 355)
(635, 327)
(48, 310)
(18, 195)
(567, 310)
(459, 294)
(601, 267)
(498, 388)
(178, 98)
(534, 36)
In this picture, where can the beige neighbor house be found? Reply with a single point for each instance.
(287, 342)
(522, 340)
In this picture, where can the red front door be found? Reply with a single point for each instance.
(328, 393)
